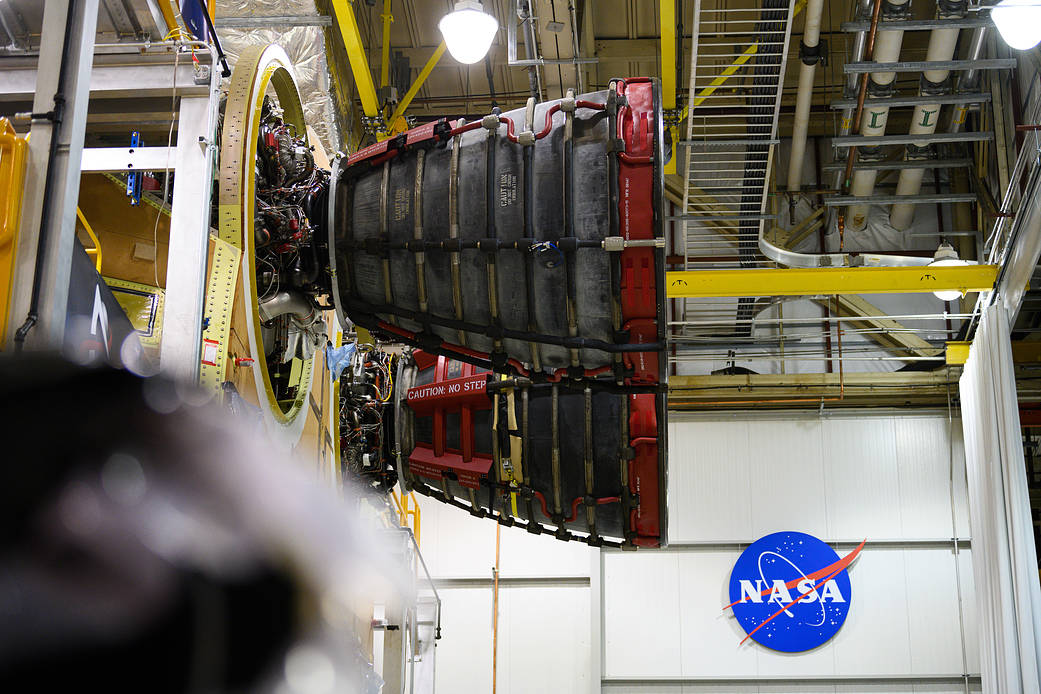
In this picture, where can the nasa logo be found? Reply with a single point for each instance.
(790, 592)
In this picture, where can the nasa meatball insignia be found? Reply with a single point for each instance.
(790, 591)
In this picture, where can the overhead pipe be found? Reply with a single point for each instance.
(860, 50)
(809, 54)
(874, 118)
(969, 79)
(942, 45)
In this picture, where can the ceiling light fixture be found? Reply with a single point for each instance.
(1018, 22)
(946, 256)
(468, 31)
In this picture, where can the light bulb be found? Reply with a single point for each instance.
(1018, 22)
(468, 31)
(946, 256)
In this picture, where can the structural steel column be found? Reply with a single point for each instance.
(189, 240)
(64, 170)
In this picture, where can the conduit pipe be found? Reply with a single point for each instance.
(873, 121)
(809, 54)
(969, 79)
(942, 45)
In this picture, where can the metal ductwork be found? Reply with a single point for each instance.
(292, 302)
(942, 46)
(809, 54)
(873, 122)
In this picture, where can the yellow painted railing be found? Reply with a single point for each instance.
(13, 153)
(409, 515)
(96, 251)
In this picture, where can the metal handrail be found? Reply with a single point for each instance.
(96, 251)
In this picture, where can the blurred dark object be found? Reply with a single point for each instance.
(137, 551)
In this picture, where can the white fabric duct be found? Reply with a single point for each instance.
(804, 98)
(873, 120)
(1004, 563)
(942, 44)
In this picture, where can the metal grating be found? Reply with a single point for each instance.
(738, 60)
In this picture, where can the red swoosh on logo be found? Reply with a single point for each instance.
(832, 570)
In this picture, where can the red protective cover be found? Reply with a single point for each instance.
(463, 394)
(636, 125)
(643, 469)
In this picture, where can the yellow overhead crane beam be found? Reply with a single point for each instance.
(348, 24)
(343, 12)
(387, 18)
(692, 284)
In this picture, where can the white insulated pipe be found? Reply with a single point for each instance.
(942, 44)
(804, 97)
(873, 120)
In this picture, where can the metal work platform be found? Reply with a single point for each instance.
(731, 136)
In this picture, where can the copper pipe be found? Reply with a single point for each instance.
(869, 52)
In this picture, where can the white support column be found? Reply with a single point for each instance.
(189, 239)
(64, 170)
(596, 621)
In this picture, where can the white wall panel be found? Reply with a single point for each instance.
(932, 612)
(464, 653)
(457, 545)
(543, 640)
(787, 489)
(641, 619)
(862, 487)
(794, 687)
(903, 618)
(839, 477)
(454, 543)
(843, 476)
(524, 554)
(968, 608)
(716, 458)
(704, 626)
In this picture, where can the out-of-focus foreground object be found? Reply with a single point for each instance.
(155, 546)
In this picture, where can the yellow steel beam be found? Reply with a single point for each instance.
(348, 24)
(816, 281)
(168, 15)
(957, 352)
(668, 72)
(420, 79)
(1023, 352)
(387, 18)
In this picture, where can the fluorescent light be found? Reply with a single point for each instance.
(1018, 22)
(947, 256)
(468, 31)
